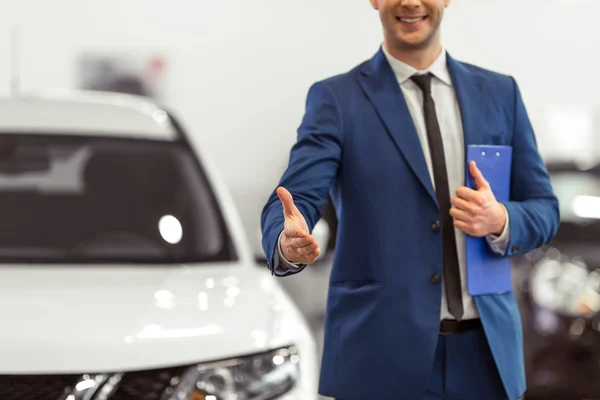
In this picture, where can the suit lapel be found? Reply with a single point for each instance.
(380, 85)
(473, 101)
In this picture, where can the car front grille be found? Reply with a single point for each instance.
(138, 385)
(30, 387)
(145, 385)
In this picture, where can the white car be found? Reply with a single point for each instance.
(124, 269)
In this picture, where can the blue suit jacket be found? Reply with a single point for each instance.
(357, 142)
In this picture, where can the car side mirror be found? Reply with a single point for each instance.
(321, 233)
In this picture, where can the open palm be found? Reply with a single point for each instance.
(297, 244)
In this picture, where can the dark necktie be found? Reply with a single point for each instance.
(438, 160)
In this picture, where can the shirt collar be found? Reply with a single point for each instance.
(403, 71)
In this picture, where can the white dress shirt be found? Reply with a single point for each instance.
(448, 113)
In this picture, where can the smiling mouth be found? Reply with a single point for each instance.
(411, 20)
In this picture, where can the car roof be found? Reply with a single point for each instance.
(92, 113)
(575, 167)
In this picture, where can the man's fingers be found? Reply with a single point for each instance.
(312, 257)
(299, 241)
(459, 214)
(461, 204)
(308, 249)
(300, 249)
(292, 230)
(286, 201)
(463, 226)
(470, 228)
(466, 193)
(478, 177)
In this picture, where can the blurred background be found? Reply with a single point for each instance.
(237, 72)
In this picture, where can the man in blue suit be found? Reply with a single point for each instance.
(387, 141)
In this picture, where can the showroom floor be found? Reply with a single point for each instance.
(319, 335)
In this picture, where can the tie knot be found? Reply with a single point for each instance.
(423, 82)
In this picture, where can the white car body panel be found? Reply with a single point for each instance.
(114, 318)
(86, 112)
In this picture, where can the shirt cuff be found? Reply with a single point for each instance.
(499, 244)
(283, 266)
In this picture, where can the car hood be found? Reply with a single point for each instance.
(82, 318)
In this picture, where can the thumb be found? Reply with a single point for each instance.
(286, 201)
(480, 181)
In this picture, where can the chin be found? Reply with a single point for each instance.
(412, 44)
(414, 41)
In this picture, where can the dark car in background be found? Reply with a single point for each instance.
(558, 289)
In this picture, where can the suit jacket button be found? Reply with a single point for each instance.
(516, 249)
(435, 278)
(435, 225)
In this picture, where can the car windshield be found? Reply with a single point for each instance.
(78, 199)
(578, 193)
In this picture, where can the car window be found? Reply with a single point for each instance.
(578, 193)
(80, 199)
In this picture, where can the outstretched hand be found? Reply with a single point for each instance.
(297, 244)
(476, 211)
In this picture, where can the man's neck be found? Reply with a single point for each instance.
(420, 59)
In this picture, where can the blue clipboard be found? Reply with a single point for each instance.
(488, 272)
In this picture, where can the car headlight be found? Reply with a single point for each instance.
(262, 376)
(565, 287)
(590, 300)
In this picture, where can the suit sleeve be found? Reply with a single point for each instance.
(499, 244)
(281, 266)
(533, 207)
(311, 171)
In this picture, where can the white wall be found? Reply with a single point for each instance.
(555, 63)
(238, 70)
